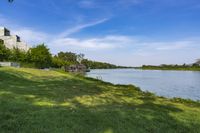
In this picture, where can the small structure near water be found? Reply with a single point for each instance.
(76, 68)
(197, 63)
(9, 64)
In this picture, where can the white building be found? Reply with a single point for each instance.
(12, 41)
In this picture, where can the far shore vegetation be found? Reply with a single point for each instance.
(192, 67)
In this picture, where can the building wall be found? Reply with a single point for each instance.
(1, 32)
(23, 45)
(9, 64)
(5, 63)
(11, 41)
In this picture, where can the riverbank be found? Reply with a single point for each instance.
(34, 100)
(181, 68)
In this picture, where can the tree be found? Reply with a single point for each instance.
(4, 52)
(57, 62)
(80, 58)
(18, 55)
(68, 57)
(41, 56)
(97, 65)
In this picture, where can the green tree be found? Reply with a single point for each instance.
(40, 56)
(57, 62)
(18, 55)
(98, 65)
(68, 57)
(4, 52)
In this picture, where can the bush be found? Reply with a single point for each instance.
(4, 52)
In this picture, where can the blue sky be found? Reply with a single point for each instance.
(123, 32)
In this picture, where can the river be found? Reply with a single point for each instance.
(184, 84)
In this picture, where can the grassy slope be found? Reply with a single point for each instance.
(48, 101)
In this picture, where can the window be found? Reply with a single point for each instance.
(18, 38)
(6, 32)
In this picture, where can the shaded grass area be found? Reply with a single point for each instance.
(48, 101)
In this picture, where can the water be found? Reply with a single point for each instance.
(184, 84)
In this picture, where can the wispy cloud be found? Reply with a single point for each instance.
(33, 36)
(81, 27)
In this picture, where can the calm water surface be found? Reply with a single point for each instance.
(184, 84)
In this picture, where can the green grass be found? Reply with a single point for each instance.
(37, 101)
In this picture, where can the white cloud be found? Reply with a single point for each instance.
(62, 40)
(101, 43)
(146, 47)
(34, 37)
(175, 45)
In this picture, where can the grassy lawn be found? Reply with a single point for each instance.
(37, 101)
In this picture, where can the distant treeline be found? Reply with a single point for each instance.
(100, 65)
(192, 67)
(40, 57)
